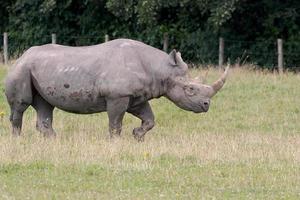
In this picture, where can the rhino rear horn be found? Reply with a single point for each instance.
(216, 86)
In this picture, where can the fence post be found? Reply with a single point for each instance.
(5, 47)
(280, 56)
(53, 37)
(106, 38)
(221, 52)
(166, 42)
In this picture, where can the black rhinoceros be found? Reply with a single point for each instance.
(117, 76)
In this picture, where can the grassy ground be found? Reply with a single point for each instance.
(246, 147)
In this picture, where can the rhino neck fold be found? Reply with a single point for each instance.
(169, 86)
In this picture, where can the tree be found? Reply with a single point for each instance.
(250, 27)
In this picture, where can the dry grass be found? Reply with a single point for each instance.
(246, 146)
(204, 148)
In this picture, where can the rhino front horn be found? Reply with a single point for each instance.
(216, 86)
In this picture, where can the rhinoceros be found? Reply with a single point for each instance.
(118, 76)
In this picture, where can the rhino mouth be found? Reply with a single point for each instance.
(204, 108)
(196, 107)
(200, 110)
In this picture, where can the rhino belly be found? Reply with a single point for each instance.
(77, 101)
(82, 100)
(70, 93)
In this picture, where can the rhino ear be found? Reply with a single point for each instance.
(173, 58)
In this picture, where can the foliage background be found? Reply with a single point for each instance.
(250, 27)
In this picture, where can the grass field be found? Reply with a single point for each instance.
(246, 147)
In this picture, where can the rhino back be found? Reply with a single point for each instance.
(70, 77)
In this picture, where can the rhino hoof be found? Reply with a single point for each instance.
(139, 138)
(139, 134)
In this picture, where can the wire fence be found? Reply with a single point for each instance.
(259, 52)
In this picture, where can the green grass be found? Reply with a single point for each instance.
(173, 179)
(246, 147)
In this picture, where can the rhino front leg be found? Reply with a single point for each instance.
(143, 112)
(116, 109)
(44, 116)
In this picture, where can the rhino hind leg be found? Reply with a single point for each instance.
(19, 96)
(116, 109)
(44, 116)
(143, 112)
(16, 117)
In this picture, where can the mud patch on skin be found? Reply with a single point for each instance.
(76, 96)
(90, 96)
(50, 91)
(66, 85)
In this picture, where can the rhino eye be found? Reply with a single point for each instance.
(190, 90)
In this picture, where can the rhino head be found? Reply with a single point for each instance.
(189, 94)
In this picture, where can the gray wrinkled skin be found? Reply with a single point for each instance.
(118, 76)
